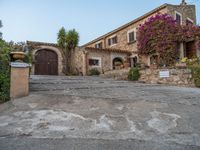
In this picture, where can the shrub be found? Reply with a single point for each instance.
(94, 72)
(4, 71)
(196, 74)
(134, 74)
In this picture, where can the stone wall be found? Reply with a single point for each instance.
(117, 74)
(181, 77)
(77, 64)
(187, 11)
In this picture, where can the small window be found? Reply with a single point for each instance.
(189, 21)
(99, 45)
(94, 62)
(112, 40)
(178, 18)
(131, 37)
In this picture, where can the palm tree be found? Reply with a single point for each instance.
(1, 27)
(67, 41)
(61, 40)
(72, 40)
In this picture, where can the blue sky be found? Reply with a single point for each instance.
(40, 20)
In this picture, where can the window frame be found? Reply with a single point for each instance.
(135, 34)
(95, 58)
(97, 45)
(181, 17)
(111, 40)
(188, 19)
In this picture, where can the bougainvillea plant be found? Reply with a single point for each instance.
(161, 34)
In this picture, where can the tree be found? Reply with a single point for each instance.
(1, 27)
(72, 40)
(67, 41)
(161, 34)
(61, 40)
(5, 50)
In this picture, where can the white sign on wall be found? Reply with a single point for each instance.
(164, 74)
(19, 65)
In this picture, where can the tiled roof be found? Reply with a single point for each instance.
(128, 24)
(109, 50)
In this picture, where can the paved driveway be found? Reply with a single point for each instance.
(89, 113)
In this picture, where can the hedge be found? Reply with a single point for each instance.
(196, 74)
(133, 74)
(4, 71)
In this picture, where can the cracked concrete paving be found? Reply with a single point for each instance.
(101, 113)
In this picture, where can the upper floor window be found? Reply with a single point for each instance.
(178, 18)
(112, 40)
(189, 21)
(131, 36)
(99, 45)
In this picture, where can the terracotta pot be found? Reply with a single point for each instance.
(126, 65)
(181, 65)
(17, 56)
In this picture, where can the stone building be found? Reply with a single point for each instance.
(124, 37)
(114, 50)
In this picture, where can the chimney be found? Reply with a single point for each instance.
(183, 2)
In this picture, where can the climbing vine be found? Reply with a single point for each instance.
(161, 34)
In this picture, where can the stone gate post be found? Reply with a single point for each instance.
(19, 79)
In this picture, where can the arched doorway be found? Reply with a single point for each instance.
(117, 63)
(46, 62)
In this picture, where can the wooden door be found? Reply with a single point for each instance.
(190, 50)
(46, 63)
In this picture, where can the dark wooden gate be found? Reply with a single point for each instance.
(46, 62)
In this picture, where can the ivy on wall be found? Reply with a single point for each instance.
(161, 34)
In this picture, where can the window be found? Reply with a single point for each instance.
(178, 18)
(131, 36)
(112, 40)
(189, 21)
(99, 45)
(95, 62)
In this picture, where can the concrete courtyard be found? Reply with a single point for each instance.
(94, 113)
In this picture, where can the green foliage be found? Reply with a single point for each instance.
(94, 72)
(161, 34)
(196, 74)
(4, 71)
(134, 74)
(68, 41)
(72, 39)
(61, 39)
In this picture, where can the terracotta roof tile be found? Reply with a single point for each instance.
(109, 50)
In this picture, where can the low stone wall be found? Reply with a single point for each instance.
(121, 74)
(181, 77)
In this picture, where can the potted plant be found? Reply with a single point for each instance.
(17, 56)
(118, 65)
(182, 63)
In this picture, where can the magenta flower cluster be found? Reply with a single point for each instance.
(161, 34)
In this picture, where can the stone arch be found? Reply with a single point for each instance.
(50, 48)
(117, 62)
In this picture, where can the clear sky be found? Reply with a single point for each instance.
(40, 20)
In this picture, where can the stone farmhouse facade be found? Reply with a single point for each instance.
(114, 50)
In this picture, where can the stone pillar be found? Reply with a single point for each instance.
(19, 80)
(181, 50)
